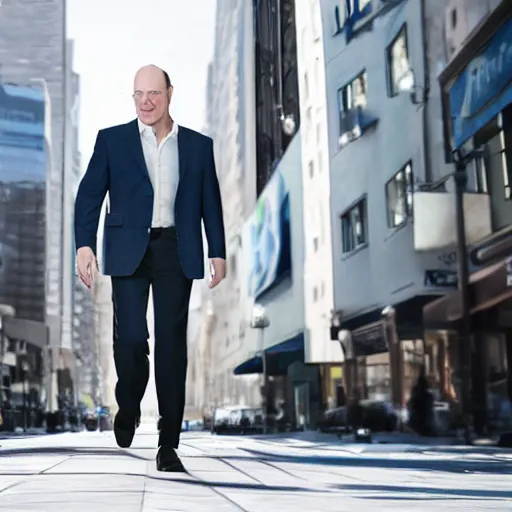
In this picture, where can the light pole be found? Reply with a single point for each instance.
(465, 340)
(260, 321)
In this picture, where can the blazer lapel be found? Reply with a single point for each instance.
(136, 146)
(183, 150)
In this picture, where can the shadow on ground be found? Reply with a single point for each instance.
(86, 450)
(417, 493)
(466, 465)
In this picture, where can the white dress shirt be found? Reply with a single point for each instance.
(162, 161)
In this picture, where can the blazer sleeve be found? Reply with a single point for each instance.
(212, 207)
(90, 196)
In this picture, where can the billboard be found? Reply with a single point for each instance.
(22, 200)
(266, 238)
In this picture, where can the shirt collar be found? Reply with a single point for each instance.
(144, 127)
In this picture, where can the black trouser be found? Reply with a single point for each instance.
(160, 269)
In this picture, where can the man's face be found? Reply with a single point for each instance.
(151, 96)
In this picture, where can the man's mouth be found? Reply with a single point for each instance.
(147, 110)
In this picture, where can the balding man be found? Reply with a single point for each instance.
(162, 183)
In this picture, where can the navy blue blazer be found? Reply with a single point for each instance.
(117, 166)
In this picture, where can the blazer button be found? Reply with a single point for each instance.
(149, 230)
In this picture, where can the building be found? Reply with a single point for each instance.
(375, 158)
(23, 225)
(316, 177)
(33, 48)
(475, 99)
(230, 114)
(263, 203)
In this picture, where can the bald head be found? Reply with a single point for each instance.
(152, 94)
(153, 73)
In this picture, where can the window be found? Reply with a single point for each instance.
(505, 155)
(353, 95)
(399, 196)
(353, 227)
(311, 168)
(398, 61)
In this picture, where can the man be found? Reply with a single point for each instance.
(161, 182)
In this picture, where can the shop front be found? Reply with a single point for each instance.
(384, 352)
(477, 104)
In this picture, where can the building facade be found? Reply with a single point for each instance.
(472, 363)
(230, 115)
(33, 49)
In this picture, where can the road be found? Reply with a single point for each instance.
(87, 472)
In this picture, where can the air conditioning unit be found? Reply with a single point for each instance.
(350, 126)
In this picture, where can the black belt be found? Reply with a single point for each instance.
(158, 232)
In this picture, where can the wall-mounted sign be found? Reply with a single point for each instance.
(369, 340)
(441, 278)
(484, 88)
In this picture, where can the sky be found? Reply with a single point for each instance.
(113, 38)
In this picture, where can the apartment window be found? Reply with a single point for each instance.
(399, 196)
(353, 227)
(398, 61)
(311, 168)
(353, 94)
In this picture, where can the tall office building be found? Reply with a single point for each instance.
(33, 49)
(230, 122)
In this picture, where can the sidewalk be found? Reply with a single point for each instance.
(86, 471)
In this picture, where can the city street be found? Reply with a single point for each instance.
(86, 471)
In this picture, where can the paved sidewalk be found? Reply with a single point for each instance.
(85, 471)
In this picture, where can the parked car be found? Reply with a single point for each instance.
(237, 420)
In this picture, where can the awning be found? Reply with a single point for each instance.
(278, 358)
(250, 366)
(487, 288)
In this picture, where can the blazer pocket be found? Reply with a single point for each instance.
(114, 219)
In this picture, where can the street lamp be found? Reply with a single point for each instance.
(260, 321)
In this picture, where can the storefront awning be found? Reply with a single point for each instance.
(278, 358)
(488, 287)
(250, 366)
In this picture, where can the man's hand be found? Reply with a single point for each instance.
(86, 266)
(217, 271)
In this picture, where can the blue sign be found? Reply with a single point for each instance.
(266, 238)
(484, 88)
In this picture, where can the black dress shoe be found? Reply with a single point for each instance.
(167, 460)
(124, 429)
